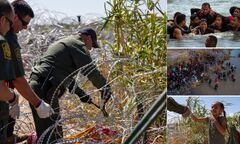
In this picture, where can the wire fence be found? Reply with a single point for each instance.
(129, 101)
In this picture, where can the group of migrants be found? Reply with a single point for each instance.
(60, 60)
(203, 21)
(184, 75)
(226, 71)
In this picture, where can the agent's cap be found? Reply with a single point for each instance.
(91, 32)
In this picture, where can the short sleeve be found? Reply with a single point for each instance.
(6, 63)
(16, 54)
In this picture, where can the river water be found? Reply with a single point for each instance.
(227, 87)
(227, 39)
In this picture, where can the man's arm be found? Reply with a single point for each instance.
(172, 105)
(81, 59)
(80, 93)
(26, 91)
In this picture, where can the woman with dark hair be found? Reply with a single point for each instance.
(219, 24)
(178, 30)
(171, 22)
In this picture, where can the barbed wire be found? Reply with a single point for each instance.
(76, 116)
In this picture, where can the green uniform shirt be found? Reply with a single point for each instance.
(64, 57)
(6, 73)
(12, 39)
(6, 63)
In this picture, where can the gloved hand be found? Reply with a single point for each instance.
(106, 94)
(44, 110)
(14, 109)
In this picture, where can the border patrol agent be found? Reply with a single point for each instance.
(22, 17)
(60, 60)
(6, 67)
(6, 73)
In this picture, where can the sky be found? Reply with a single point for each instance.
(76, 7)
(231, 103)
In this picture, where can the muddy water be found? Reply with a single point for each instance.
(225, 87)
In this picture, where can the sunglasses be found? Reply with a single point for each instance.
(10, 21)
(24, 23)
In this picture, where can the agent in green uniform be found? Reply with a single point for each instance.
(60, 60)
(6, 67)
(23, 15)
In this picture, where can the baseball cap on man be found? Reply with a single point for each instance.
(92, 33)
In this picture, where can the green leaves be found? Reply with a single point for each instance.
(139, 31)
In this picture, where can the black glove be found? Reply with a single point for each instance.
(106, 93)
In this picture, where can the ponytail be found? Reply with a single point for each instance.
(224, 114)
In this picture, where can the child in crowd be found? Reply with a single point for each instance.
(195, 21)
(202, 29)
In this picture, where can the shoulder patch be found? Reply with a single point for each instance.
(18, 54)
(6, 51)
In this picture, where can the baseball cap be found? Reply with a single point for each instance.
(92, 33)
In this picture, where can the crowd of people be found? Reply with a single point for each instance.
(226, 71)
(184, 75)
(203, 21)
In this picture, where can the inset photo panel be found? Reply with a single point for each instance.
(203, 71)
(191, 22)
(203, 120)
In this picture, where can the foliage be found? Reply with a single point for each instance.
(139, 35)
(198, 132)
(192, 132)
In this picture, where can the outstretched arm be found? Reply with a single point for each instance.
(80, 93)
(26, 91)
(196, 119)
(43, 109)
(172, 105)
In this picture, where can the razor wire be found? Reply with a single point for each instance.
(122, 107)
(99, 118)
